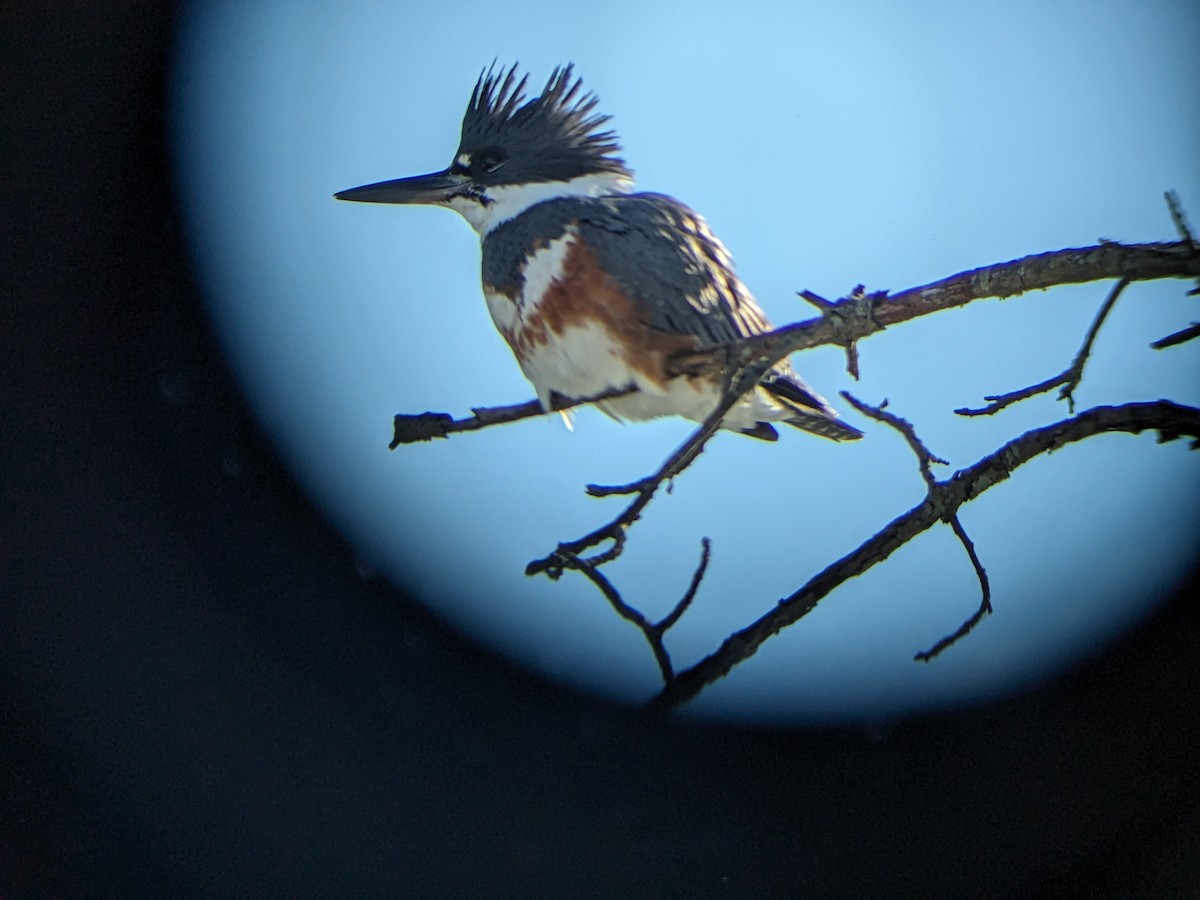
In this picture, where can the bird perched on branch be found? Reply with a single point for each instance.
(593, 286)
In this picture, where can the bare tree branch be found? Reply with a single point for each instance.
(846, 321)
(742, 363)
(410, 429)
(870, 313)
(850, 318)
(566, 554)
(1069, 378)
(1171, 420)
(925, 459)
(653, 632)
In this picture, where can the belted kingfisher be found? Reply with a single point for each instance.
(592, 285)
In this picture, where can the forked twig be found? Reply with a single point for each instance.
(851, 318)
(1069, 378)
(566, 554)
(653, 632)
(925, 457)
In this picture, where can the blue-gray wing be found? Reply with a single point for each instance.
(664, 256)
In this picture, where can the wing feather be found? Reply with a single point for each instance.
(665, 257)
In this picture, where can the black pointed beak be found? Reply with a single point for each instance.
(437, 187)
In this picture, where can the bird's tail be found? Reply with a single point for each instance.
(809, 411)
(834, 429)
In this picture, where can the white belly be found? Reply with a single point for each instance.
(585, 360)
(580, 362)
(694, 400)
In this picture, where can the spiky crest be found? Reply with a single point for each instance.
(553, 137)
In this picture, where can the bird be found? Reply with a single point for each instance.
(594, 285)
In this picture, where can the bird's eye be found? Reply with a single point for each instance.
(488, 161)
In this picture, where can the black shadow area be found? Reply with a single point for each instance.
(199, 696)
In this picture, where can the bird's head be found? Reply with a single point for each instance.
(514, 154)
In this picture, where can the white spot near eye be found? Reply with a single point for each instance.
(464, 159)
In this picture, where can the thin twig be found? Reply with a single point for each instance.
(737, 385)
(1074, 374)
(1182, 228)
(1069, 378)
(821, 303)
(653, 632)
(410, 429)
(1000, 401)
(1187, 334)
(963, 630)
(566, 554)
(985, 604)
(697, 576)
(925, 457)
(650, 632)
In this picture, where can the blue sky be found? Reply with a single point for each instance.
(876, 143)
